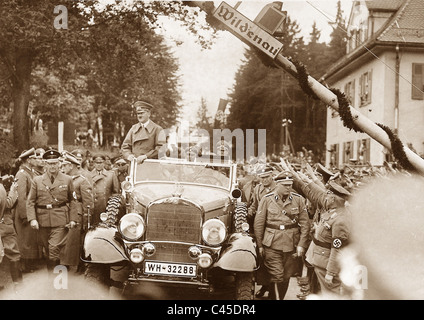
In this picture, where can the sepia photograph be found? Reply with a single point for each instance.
(211, 155)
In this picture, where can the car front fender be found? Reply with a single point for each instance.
(100, 246)
(239, 254)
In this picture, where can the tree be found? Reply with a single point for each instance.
(338, 35)
(203, 120)
(68, 35)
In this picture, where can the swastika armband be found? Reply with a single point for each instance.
(338, 243)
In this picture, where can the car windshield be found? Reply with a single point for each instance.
(209, 174)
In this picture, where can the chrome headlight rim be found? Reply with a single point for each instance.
(131, 216)
(222, 232)
(127, 186)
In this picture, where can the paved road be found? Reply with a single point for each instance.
(38, 286)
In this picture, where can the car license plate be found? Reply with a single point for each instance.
(170, 269)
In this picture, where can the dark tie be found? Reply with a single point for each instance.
(52, 179)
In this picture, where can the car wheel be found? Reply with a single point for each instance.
(113, 209)
(240, 216)
(245, 286)
(98, 275)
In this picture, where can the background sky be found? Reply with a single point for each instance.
(210, 73)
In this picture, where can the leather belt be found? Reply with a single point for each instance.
(321, 244)
(282, 226)
(51, 206)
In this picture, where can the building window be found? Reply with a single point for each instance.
(364, 151)
(334, 156)
(365, 82)
(350, 92)
(417, 81)
(347, 151)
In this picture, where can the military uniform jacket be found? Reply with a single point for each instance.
(143, 141)
(52, 204)
(273, 212)
(7, 200)
(105, 185)
(258, 193)
(332, 229)
(84, 193)
(24, 179)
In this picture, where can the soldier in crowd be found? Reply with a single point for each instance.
(281, 228)
(8, 235)
(84, 193)
(108, 163)
(81, 156)
(27, 237)
(330, 234)
(105, 184)
(145, 138)
(37, 161)
(51, 208)
(266, 186)
(121, 170)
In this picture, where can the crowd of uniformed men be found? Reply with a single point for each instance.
(50, 204)
(299, 216)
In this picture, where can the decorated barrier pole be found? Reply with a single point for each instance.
(248, 32)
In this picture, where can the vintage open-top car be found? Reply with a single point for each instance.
(177, 223)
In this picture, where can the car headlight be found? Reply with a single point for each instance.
(131, 226)
(214, 232)
(126, 186)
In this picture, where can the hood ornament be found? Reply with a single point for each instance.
(178, 191)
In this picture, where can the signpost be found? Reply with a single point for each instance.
(253, 35)
(247, 31)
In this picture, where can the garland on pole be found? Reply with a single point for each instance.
(397, 147)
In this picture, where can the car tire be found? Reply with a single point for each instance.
(245, 286)
(240, 216)
(98, 275)
(113, 209)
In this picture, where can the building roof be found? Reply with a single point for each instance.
(405, 26)
(388, 5)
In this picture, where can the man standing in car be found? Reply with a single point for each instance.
(145, 138)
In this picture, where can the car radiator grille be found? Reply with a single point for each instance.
(173, 222)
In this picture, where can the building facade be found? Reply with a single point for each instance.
(382, 75)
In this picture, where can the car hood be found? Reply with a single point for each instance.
(209, 198)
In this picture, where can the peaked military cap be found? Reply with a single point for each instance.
(140, 105)
(51, 155)
(68, 157)
(326, 173)
(265, 172)
(338, 189)
(39, 152)
(120, 161)
(284, 177)
(78, 153)
(27, 153)
(99, 156)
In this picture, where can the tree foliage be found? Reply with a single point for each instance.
(263, 96)
(106, 58)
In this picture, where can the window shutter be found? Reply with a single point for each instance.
(369, 86)
(417, 81)
(352, 93)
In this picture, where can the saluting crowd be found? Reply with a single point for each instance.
(300, 216)
(298, 212)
